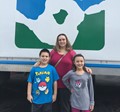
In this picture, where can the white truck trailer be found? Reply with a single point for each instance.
(92, 27)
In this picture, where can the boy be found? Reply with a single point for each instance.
(42, 84)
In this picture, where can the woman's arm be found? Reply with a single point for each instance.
(37, 64)
(88, 70)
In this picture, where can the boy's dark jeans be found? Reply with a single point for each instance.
(41, 107)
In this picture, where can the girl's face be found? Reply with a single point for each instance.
(44, 58)
(62, 41)
(79, 62)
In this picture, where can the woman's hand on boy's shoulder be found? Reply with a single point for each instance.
(37, 64)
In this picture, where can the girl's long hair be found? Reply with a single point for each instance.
(74, 67)
(57, 46)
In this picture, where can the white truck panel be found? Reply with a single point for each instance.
(108, 57)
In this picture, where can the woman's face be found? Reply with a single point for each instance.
(62, 41)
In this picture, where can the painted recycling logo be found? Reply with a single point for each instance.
(39, 22)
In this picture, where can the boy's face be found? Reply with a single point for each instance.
(44, 58)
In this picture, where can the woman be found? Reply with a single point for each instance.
(61, 57)
(62, 50)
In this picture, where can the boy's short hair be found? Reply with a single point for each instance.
(44, 50)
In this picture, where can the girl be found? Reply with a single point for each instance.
(79, 82)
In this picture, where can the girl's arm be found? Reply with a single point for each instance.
(29, 89)
(91, 92)
(55, 91)
(66, 80)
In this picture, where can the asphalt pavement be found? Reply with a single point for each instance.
(13, 94)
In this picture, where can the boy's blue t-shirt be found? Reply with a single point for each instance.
(42, 80)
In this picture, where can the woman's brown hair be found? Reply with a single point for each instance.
(68, 45)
